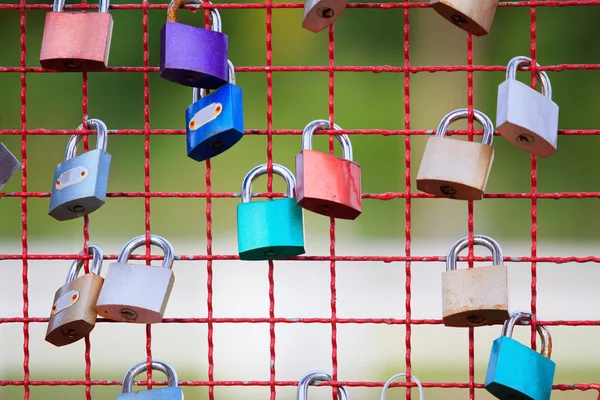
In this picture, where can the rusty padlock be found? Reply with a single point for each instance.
(326, 184)
(76, 41)
(73, 313)
(475, 296)
(457, 169)
(319, 14)
(473, 16)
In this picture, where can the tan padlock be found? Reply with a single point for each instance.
(457, 169)
(73, 313)
(475, 296)
(473, 16)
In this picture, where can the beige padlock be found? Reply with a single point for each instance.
(457, 169)
(475, 296)
(473, 16)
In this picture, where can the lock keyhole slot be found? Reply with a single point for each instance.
(525, 139)
(272, 253)
(325, 12)
(459, 19)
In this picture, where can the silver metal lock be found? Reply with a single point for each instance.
(80, 182)
(314, 377)
(389, 382)
(172, 392)
(319, 14)
(526, 118)
(8, 165)
(137, 293)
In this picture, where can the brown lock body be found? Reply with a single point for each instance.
(473, 16)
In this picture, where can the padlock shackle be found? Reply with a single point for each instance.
(199, 93)
(59, 6)
(463, 113)
(312, 127)
(156, 240)
(313, 378)
(259, 170)
(141, 367)
(542, 77)
(402, 375)
(97, 258)
(101, 138)
(478, 240)
(525, 316)
(216, 23)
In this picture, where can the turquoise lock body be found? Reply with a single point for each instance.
(272, 229)
(172, 392)
(517, 372)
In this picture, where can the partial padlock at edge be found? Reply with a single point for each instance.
(472, 16)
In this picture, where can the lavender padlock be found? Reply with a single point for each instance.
(193, 56)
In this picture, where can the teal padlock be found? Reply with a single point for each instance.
(172, 392)
(272, 229)
(517, 372)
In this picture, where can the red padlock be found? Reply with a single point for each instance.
(76, 41)
(326, 184)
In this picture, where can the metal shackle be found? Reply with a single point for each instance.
(199, 93)
(59, 6)
(318, 376)
(525, 316)
(259, 170)
(402, 375)
(216, 24)
(101, 138)
(463, 113)
(97, 258)
(309, 130)
(141, 367)
(542, 77)
(140, 241)
(478, 240)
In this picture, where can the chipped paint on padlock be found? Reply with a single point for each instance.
(313, 378)
(193, 56)
(80, 182)
(526, 118)
(272, 229)
(8, 165)
(172, 392)
(515, 371)
(473, 16)
(457, 169)
(214, 123)
(76, 41)
(73, 314)
(328, 185)
(319, 14)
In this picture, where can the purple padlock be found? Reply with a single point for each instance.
(193, 56)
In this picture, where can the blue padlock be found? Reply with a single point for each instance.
(172, 392)
(517, 372)
(272, 229)
(80, 182)
(214, 123)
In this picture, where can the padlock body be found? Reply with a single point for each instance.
(473, 16)
(328, 185)
(516, 370)
(455, 169)
(319, 14)
(270, 230)
(214, 123)
(74, 317)
(168, 393)
(527, 118)
(475, 296)
(76, 41)
(135, 293)
(192, 56)
(8, 165)
(83, 184)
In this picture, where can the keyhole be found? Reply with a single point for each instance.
(448, 190)
(476, 319)
(190, 78)
(69, 332)
(216, 145)
(77, 208)
(458, 19)
(129, 314)
(325, 12)
(71, 64)
(525, 139)
(271, 253)
(325, 207)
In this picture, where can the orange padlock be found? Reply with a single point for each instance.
(76, 41)
(326, 184)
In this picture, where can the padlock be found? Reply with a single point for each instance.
(214, 123)
(172, 392)
(272, 229)
(328, 185)
(193, 56)
(457, 169)
(73, 314)
(473, 16)
(475, 296)
(315, 377)
(389, 382)
(137, 293)
(78, 41)
(515, 371)
(319, 14)
(8, 165)
(526, 118)
(80, 182)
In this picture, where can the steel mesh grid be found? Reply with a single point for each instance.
(408, 195)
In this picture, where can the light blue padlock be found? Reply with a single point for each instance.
(517, 372)
(80, 182)
(172, 392)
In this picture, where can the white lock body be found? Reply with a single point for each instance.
(319, 14)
